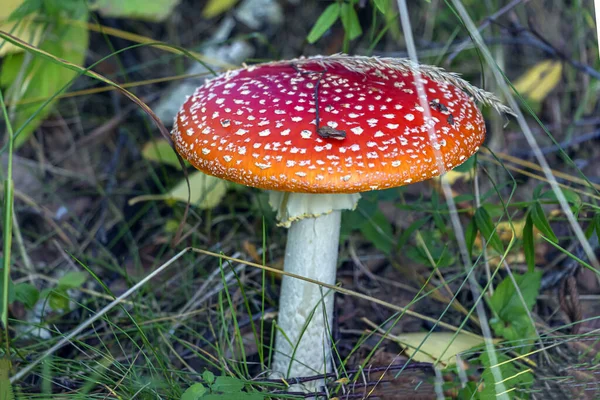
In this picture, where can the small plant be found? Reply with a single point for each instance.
(345, 11)
(220, 388)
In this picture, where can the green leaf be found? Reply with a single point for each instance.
(350, 21)
(194, 392)
(161, 151)
(27, 294)
(537, 191)
(72, 279)
(517, 329)
(487, 229)
(468, 392)
(528, 244)
(409, 231)
(378, 231)
(382, 5)
(570, 196)
(468, 165)
(58, 299)
(513, 373)
(464, 198)
(589, 230)
(56, 8)
(154, 11)
(208, 377)
(471, 235)
(43, 78)
(6, 391)
(235, 396)
(507, 303)
(354, 219)
(432, 249)
(325, 21)
(227, 384)
(541, 222)
(597, 219)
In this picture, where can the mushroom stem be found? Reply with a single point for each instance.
(303, 341)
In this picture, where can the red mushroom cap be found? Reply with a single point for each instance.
(258, 125)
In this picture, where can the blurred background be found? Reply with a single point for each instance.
(100, 203)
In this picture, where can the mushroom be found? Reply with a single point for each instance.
(317, 131)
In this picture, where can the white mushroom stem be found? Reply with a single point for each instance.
(306, 309)
(303, 339)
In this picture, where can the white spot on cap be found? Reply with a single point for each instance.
(241, 132)
(392, 126)
(227, 158)
(306, 134)
(409, 117)
(396, 163)
(357, 130)
(263, 166)
(205, 151)
(266, 132)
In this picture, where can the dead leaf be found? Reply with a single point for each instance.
(217, 7)
(161, 151)
(437, 346)
(452, 176)
(538, 81)
(25, 29)
(154, 11)
(206, 191)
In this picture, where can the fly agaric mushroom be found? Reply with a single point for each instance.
(318, 131)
